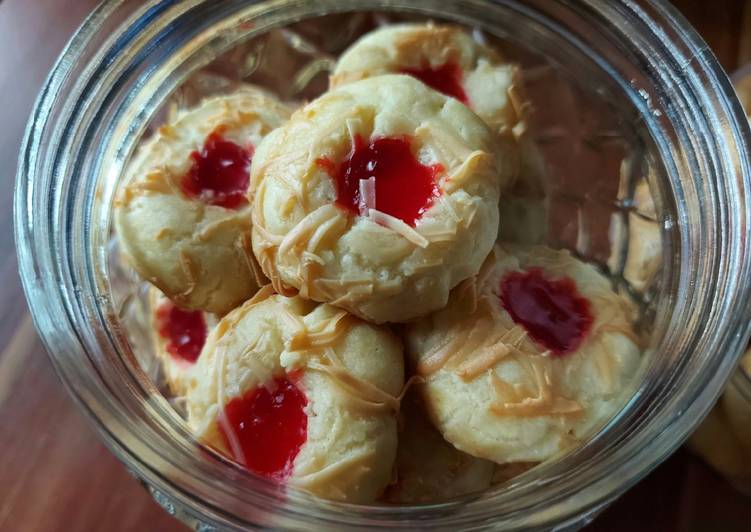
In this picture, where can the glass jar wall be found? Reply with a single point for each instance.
(643, 87)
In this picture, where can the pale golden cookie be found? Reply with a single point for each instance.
(178, 338)
(716, 442)
(182, 215)
(446, 58)
(391, 246)
(428, 468)
(742, 87)
(319, 367)
(724, 437)
(736, 402)
(746, 362)
(644, 245)
(522, 388)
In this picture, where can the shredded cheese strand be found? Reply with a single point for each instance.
(328, 473)
(229, 431)
(448, 144)
(398, 226)
(467, 169)
(367, 199)
(328, 333)
(436, 360)
(306, 226)
(545, 403)
(484, 360)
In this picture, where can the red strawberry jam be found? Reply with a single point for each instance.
(404, 188)
(219, 173)
(446, 79)
(270, 427)
(551, 311)
(184, 330)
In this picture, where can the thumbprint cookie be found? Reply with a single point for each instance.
(446, 59)
(379, 197)
(178, 338)
(183, 216)
(528, 358)
(428, 468)
(301, 393)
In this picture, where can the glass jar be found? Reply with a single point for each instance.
(736, 404)
(723, 439)
(637, 62)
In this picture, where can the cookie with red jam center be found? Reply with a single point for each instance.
(182, 213)
(379, 197)
(300, 393)
(528, 358)
(178, 337)
(448, 60)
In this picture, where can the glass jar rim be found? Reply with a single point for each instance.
(55, 219)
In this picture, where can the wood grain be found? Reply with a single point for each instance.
(55, 475)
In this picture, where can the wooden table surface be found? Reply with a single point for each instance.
(54, 473)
